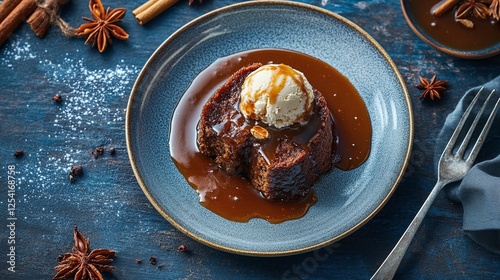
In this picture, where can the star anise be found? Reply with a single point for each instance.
(477, 8)
(495, 9)
(102, 25)
(81, 262)
(432, 88)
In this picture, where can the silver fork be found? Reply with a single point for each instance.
(452, 167)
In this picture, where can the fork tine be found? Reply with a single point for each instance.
(454, 136)
(484, 132)
(465, 141)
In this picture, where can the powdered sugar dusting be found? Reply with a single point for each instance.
(95, 93)
(90, 94)
(89, 103)
(19, 50)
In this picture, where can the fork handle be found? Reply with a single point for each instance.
(391, 263)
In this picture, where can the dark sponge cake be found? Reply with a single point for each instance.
(222, 131)
(285, 165)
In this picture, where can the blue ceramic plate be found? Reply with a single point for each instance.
(346, 200)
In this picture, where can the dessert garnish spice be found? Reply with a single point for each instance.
(102, 25)
(469, 8)
(495, 9)
(18, 153)
(431, 89)
(76, 170)
(97, 152)
(152, 8)
(83, 263)
(478, 8)
(57, 98)
(182, 248)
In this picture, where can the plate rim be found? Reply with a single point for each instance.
(301, 249)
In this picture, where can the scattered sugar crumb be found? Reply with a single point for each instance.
(361, 5)
(91, 96)
(18, 50)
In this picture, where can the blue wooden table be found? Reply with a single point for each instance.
(107, 204)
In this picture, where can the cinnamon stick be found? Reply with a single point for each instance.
(15, 17)
(151, 9)
(6, 7)
(144, 7)
(442, 7)
(42, 17)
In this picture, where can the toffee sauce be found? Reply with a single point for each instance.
(445, 29)
(233, 197)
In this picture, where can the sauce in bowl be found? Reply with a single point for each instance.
(446, 30)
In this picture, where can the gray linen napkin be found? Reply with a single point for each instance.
(479, 191)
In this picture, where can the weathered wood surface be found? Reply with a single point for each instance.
(107, 203)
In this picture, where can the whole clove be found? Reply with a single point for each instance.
(57, 98)
(97, 152)
(182, 248)
(76, 170)
(18, 153)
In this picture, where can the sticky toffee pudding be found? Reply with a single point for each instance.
(282, 163)
(226, 157)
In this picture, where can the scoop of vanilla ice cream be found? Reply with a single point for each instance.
(277, 95)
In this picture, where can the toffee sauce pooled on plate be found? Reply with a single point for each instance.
(233, 197)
